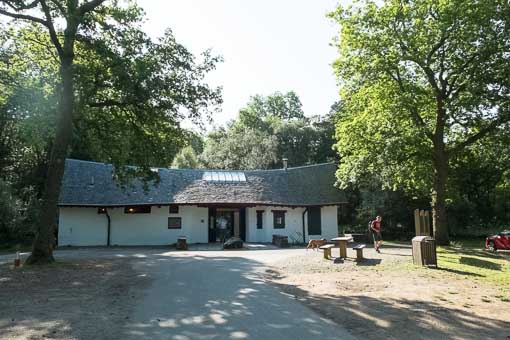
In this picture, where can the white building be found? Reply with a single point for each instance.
(254, 205)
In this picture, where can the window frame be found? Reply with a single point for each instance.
(173, 209)
(279, 214)
(174, 218)
(260, 219)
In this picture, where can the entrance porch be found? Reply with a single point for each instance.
(225, 222)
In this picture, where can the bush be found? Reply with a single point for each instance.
(16, 218)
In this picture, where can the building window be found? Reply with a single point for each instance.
(101, 210)
(138, 209)
(260, 219)
(279, 219)
(174, 223)
(173, 209)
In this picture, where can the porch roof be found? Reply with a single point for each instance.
(92, 184)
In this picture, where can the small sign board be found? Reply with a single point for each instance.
(174, 223)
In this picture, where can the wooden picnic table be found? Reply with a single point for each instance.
(341, 242)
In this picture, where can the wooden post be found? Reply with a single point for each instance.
(426, 223)
(359, 255)
(417, 228)
(422, 222)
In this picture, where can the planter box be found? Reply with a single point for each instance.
(281, 241)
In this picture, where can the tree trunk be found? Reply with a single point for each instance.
(42, 251)
(439, 218)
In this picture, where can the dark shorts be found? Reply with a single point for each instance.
(377, 236)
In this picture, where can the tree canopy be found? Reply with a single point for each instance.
(103, 89)
(267, 130)
(412, 91)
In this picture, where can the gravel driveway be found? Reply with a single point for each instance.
(209, 295)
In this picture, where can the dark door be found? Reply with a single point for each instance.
(242, 224)
(212, 224)
(314, 221)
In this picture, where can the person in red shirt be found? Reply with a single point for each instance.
(375, 225)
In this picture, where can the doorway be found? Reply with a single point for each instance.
(226, 222)
(225, 225)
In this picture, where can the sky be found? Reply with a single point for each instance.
(267, 46)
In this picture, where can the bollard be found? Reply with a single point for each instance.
(17, 260)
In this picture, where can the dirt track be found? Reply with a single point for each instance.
(386, 298)
(84, 299)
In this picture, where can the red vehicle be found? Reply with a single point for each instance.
(500, 241)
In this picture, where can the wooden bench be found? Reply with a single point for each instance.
(359, 251)
(327, 250)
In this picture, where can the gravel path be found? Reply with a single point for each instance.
(154, 293)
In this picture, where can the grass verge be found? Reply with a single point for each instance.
(477, 264)
(466, 259)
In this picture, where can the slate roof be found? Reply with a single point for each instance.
(91, 184)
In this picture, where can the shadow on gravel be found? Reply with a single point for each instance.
(215, 297)
(78, 299)
(372, 318)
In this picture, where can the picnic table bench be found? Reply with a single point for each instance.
(359, 251)
(327, 250)
(341, 242)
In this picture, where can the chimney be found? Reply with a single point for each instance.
(285, 161)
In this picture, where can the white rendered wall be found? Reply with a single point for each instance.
(293, 224)
(81, 227)
(329, 216)
(84, 227)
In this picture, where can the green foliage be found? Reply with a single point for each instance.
(131, 94)
(269, 129)
(479, 189)
(186, 159)
(142, 105)
(413, 95)
(265, 112)
(8, 213)
(240, 148)
(16, 218)
(400, 66)
(130, 101)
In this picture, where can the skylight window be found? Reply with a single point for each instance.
(224, 176)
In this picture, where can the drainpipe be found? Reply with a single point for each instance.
(304, 212)
(108, 230)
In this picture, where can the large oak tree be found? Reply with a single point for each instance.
(121, 94)
(421, 81)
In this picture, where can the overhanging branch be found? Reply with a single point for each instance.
(24, 17)
(60, 7)
(480, 134)
(89, 6)
(415, 115)
(19, 6)
(51, 29)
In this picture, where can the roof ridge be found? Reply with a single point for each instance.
(84, 161)
(311, 165)
(187, 169)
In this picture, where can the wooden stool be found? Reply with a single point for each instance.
(359, 251)
(182, 243)
(327, 250)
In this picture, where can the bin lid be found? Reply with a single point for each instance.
(422, 238)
